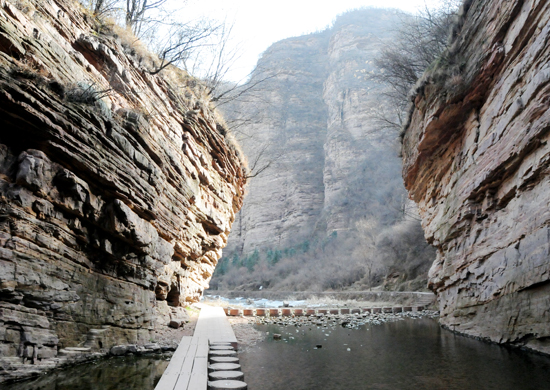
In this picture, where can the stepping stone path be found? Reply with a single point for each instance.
(224, 370)
(227, 385)
(214, 352)
(224, 367)
(221, 347)
(224, 359)
(207, 360)
(221, 375)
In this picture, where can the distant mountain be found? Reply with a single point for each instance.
(330, 209)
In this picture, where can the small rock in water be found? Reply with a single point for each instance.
(319, 346)
(276, 336)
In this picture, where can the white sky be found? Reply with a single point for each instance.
(259, 23)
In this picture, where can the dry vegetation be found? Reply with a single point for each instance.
(384, 247)
(421, 42)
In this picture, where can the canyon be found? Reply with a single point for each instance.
(118, 188)
(476, 163)
(120, 185)
(332, 185)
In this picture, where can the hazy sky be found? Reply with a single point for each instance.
(259, 23)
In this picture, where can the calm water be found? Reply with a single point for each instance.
(410, 354)
(121, 373)
(403, 355)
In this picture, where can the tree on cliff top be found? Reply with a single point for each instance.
(203, 47)
(136, 13)
(419, 41)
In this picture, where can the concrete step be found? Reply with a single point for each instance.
(227, 385)
(224, 367)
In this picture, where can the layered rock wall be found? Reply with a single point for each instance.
(118, 188)
(476, 160)
(286, 132)
(314, 120)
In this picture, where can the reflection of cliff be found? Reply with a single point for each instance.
(334, 176)
(476, 162)
(113, 184)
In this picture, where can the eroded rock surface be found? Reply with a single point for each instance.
(118, 189)
(476, 161)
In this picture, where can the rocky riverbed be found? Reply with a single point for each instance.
(345, 320)
(248, 335)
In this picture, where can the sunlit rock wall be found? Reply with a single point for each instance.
(476, 160)
(118, 188)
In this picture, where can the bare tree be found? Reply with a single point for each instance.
(101, 8)
(264, 157)
(419, 41)
(137, 12)
(181, 42)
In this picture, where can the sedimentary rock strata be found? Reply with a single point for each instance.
(118, 187)
(319, 134)
(476, 161)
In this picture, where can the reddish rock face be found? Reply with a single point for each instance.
(117, 188)
(476, 160)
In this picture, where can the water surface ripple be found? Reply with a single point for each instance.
(409, 354)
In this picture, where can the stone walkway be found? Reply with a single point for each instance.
(213, 342)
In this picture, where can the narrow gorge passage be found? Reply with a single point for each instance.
(387, 168)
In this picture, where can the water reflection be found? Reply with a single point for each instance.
(411, 354)
(127, 373)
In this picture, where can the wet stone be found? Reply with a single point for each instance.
(224, 367)
(223, 359)
(225, 375)
(221, 348)
(222, 353)
(227, 385)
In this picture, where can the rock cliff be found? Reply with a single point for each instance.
(476, 161)
(118, 188)
(285, 201)
(314, 122)
(333, 177)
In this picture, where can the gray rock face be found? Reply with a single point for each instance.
(318, 133)
(112, 208)
(476, 162)
(328, 212)
(285, 201)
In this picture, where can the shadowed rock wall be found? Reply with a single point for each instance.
(118, 188)
(476, 161)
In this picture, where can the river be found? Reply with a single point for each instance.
(117, 373)
(401, 355)
(408, 354)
